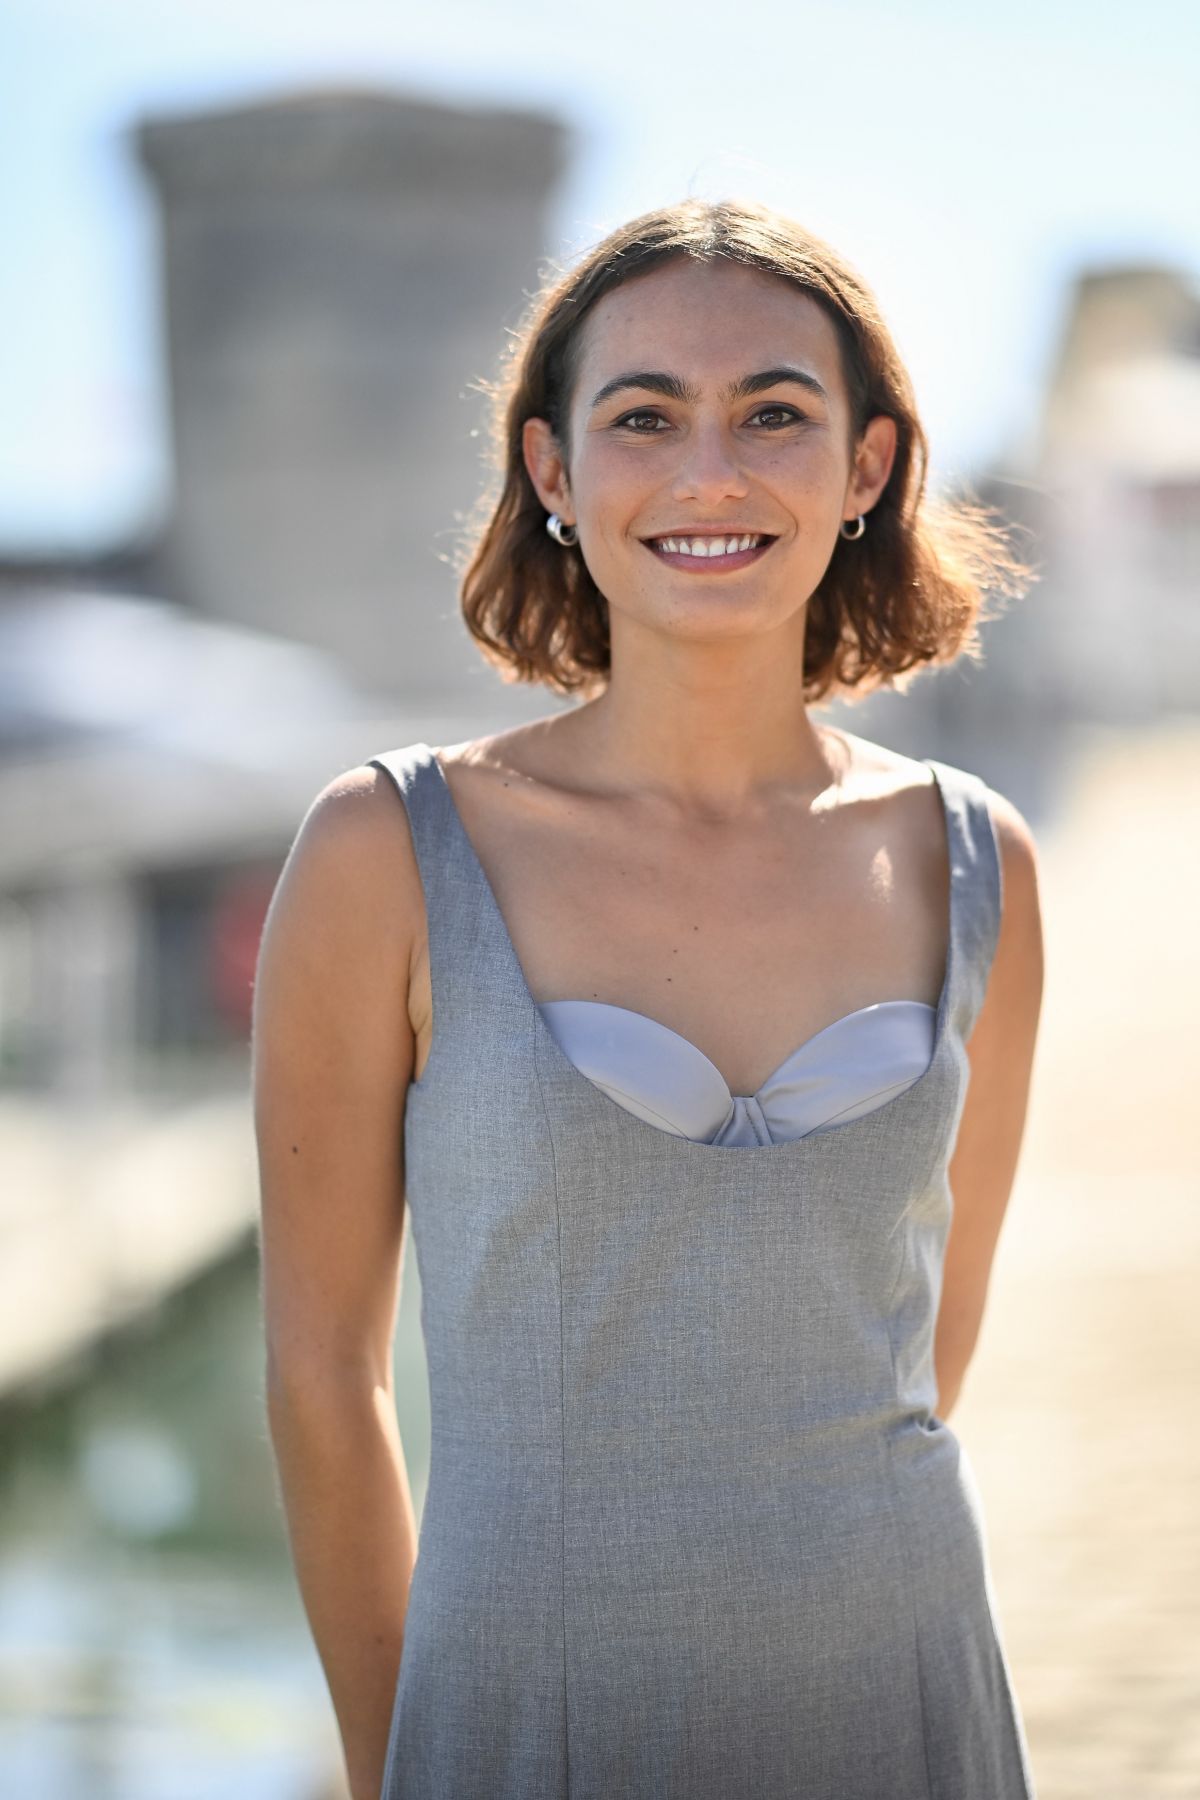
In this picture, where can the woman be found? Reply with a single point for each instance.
(691, 1015)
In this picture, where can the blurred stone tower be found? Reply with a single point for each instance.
(338, 268)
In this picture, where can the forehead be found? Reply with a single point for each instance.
(693, 317)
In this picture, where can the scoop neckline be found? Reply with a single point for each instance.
(564, 1069)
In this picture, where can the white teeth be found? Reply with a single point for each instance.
(708, 546)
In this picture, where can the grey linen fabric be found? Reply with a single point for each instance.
(692, 1529)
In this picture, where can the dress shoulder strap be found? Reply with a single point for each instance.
(978, 886)
(475, 977)
(442, 860)
(426, 802)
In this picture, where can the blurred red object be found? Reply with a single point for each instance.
(238, 914)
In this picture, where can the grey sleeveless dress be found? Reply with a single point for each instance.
(692, 1530)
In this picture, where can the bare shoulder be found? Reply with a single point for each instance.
(1019, 951)
(877, 766)
(1020, 946)
(353, 854)
(1018, 846)
(876, 769)
(346, 918)
(530, 751)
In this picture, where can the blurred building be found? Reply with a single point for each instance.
(1108, 483)
(154, 765)
(337, 269)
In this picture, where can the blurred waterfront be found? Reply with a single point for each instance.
(152, 1641)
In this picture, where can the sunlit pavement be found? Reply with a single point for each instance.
(1079, 1411)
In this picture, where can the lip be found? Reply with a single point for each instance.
(727, 564)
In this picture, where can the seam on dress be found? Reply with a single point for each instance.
(901, 1521)
(562, 1396)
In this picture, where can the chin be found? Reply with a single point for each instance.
(712, 618)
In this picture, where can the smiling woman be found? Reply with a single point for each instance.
(683, 1026)
(910, 595)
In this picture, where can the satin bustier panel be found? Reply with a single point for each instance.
(859, 1062)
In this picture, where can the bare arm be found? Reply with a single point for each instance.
(333, 1054)
(1000, 1051)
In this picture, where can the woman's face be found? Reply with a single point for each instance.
(709, 404)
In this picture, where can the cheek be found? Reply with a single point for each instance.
(812, 469)
(611, 492)
(604, 461)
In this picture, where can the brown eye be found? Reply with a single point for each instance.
(629, 417)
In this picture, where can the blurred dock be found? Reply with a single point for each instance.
(105, 1213)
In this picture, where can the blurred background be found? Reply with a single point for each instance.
(256, 262)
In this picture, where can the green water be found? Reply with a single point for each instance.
(153, 1645)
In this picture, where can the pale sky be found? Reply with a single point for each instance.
(967, 159)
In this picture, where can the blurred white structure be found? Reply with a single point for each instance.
(1109, 481)
(156, 766)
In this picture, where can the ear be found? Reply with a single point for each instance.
(547, 471)
(873, 458)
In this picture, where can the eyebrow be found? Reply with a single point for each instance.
(674, 387)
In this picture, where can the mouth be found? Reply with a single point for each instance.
(711, 553)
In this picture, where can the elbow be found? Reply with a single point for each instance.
(299, 1388)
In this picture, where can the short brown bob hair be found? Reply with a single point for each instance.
(910, 592)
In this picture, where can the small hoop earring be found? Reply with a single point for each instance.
(562, 534)
(853, 536)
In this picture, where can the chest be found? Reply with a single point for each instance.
(745, 937)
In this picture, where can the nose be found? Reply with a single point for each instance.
(709, 470)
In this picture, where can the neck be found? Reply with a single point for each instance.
(710, 736)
